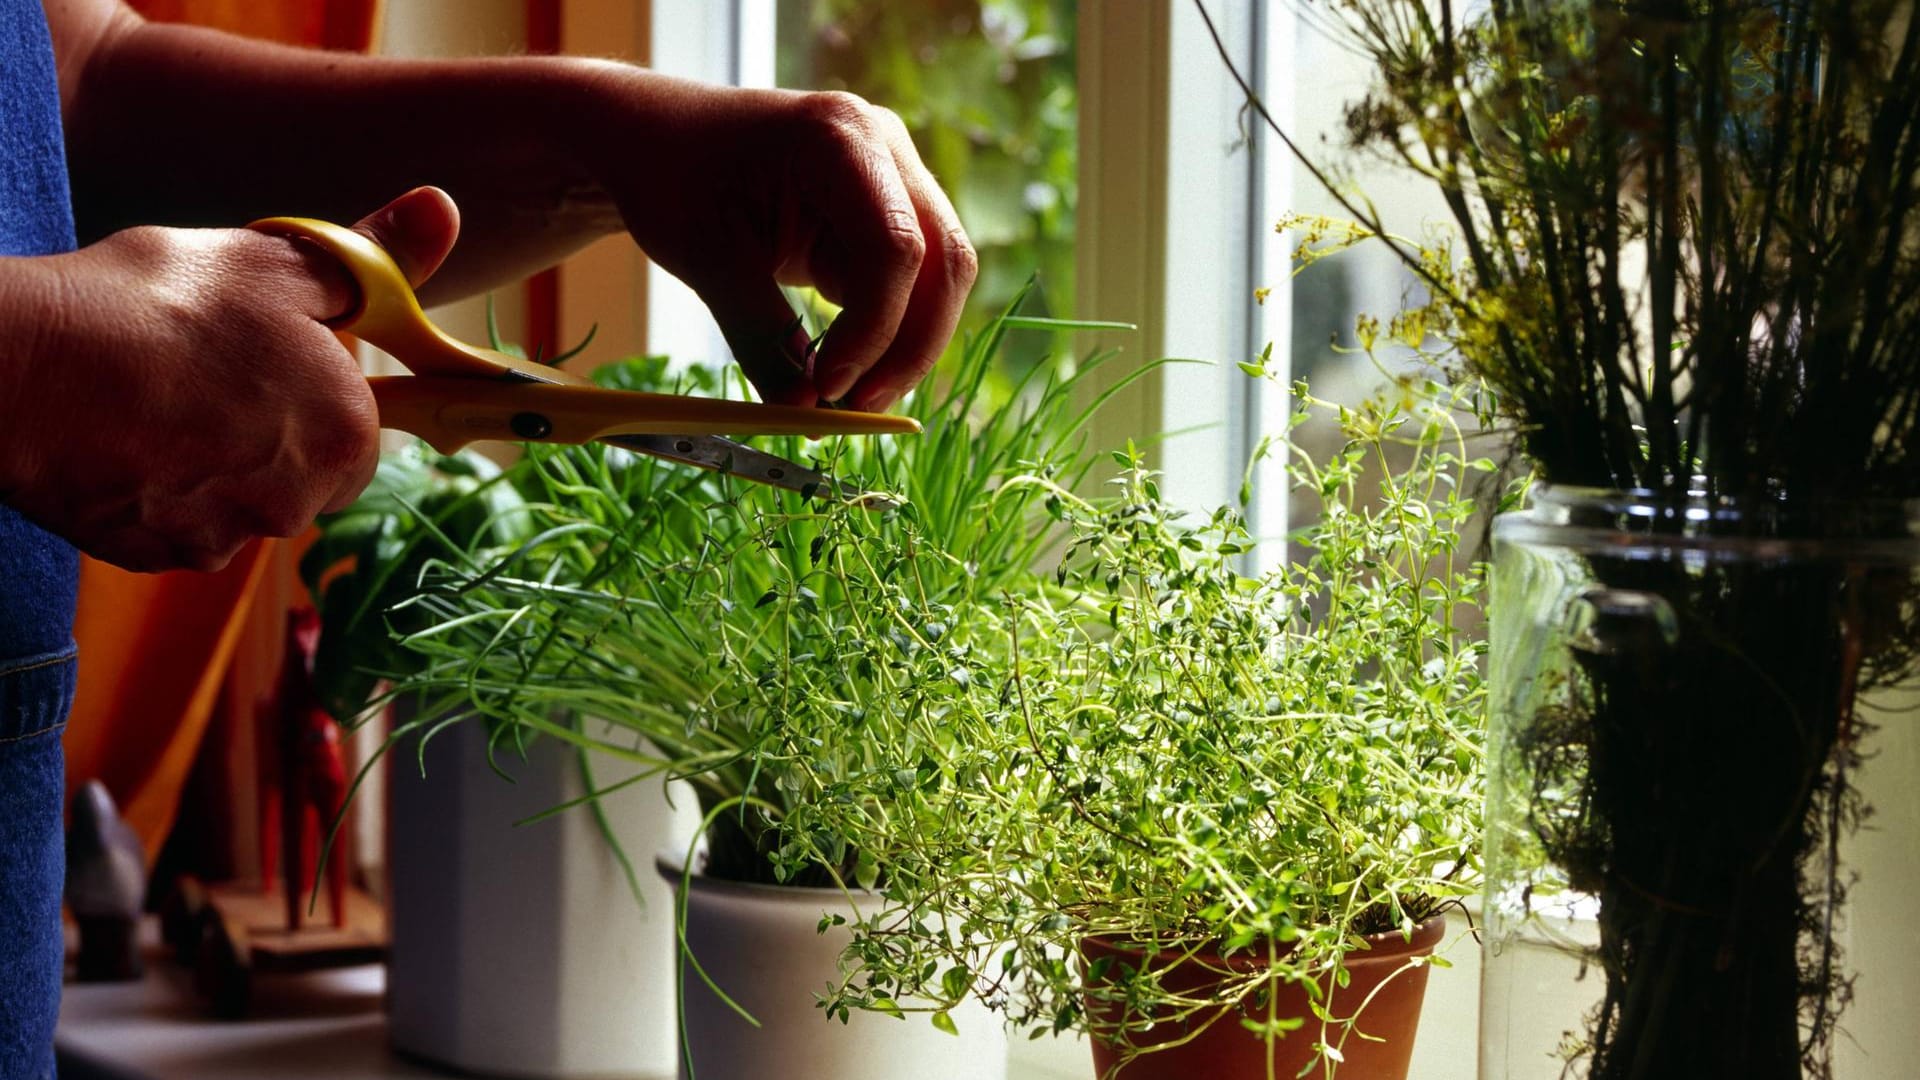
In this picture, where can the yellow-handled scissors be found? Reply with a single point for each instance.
(460, 393)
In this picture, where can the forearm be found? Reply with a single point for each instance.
(29, 293)
(178, 125)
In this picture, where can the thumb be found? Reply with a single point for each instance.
(418, 229)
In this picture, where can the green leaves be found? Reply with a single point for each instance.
(768, 646)
(955, 982)
(1160, 750)
(1027, 716)
(420, 507)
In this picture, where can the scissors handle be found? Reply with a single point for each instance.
(449, 413)
(460, 393)
(388, 315)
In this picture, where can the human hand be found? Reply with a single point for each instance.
(184, 395)
(737, 192)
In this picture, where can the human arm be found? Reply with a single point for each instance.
(735, 191)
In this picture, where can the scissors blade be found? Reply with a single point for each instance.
(738, 459)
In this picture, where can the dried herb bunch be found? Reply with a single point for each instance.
(1685, 255)
(1686, 233)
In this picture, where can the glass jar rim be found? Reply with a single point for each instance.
(1880, 528)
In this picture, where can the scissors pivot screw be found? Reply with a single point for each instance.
(530, 425)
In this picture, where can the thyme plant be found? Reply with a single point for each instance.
(1685, 255)
(1145, 746)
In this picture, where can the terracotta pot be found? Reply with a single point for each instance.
(1227, 1051)
(762, 944)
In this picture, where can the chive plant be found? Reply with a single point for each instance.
(648, 614)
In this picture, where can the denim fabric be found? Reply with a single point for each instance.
(38, 578)
(36, 209)
(34, 694)
(38, 572)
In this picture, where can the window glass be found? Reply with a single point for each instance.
(1329, 78)
(1329, 296)
(987, 89)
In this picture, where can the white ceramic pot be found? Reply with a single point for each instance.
(762, 945)
(520, 951)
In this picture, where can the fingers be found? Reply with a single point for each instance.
(875, 230)
(769, 342)
(417, 229)
(364, 462)
(816, 189)
(123, 532)
(946, 275)
(905, 269)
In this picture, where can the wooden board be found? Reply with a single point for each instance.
(230, 933)
(256, 923)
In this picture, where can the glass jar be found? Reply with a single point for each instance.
(1703, 822)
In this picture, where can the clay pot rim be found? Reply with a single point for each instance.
(671, 865)
(1388, 946)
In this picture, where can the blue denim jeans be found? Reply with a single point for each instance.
(34, 694)
(38, 576)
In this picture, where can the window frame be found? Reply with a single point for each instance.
(1168, 180)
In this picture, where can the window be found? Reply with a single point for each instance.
(1100, 145)
(1178, 198)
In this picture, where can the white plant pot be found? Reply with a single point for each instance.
(762, 945)
(520, 951)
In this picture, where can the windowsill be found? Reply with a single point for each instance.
(329, 1025)
(323, 1025)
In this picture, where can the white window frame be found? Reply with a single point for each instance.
(1170, 178)
(717, 41)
